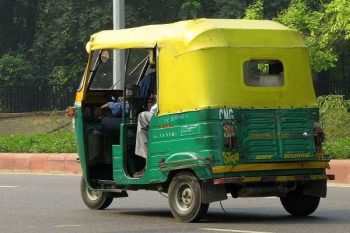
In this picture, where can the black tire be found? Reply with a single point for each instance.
(96, 200)
(298, 204)
(185, 198)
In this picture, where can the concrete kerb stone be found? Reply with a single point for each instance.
(341, 170)
(22, 163)
(7, 162)
(40, 163)
(67, 163)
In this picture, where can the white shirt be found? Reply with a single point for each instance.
(154, 109)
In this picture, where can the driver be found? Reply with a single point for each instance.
(111, 125)
(112, 121)
(116, 107)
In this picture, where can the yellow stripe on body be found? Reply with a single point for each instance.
(269, 166)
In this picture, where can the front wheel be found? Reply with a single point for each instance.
(96, 200)
(298, 204)
(185, 199)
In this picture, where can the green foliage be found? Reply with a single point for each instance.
(337, 14)
(63, 28)
(334, 115)
(143, 12)
(53, 34)
(229, 8)
(255, 11)
(273, 7)
(15, 69)
(39, 143)
(335, 121)
(17, 25)
(190, 8)
(66, 75)
(324, 28)
(339, 149)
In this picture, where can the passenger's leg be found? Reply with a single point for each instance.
(142, 134)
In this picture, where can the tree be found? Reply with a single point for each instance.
(229, 8)
(63, 28)
(51, 35)
(17, 26)
(144, 12)
(255, 10)
(190, 9)
(15, 69)
(324, 29)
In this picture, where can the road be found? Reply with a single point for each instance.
(52, 203)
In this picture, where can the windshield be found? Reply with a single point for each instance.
(102, 73)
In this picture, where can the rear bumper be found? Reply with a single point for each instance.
(274, 179)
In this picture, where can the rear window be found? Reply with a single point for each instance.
(263, 73)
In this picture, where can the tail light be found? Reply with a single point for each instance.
(318, 134)
(230, 135)
(318, 139)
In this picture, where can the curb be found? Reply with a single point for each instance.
(40, 163)
(67, 163)
(341, 170)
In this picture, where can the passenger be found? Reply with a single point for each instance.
(143, 121)
(148, 86)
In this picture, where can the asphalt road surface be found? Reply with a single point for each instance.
(52, 203)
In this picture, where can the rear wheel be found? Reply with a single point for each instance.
(298, 204)
(96, 200)
(185, 198)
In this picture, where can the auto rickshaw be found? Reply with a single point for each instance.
(237, 115)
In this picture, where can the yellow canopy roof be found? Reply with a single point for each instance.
(186, 36)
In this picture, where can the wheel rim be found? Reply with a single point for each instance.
(93, 195)
(184, 197)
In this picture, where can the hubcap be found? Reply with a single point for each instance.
(93, 195)
(184, 197)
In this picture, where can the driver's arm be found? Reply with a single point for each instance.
(105, 105)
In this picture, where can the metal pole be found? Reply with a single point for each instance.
(118, 55)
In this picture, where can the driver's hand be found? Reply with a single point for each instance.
(98, 112)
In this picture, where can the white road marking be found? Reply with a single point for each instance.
(228, 230)
(8, 186)
(61, 226)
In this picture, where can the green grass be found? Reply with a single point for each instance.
(28, 133)
(63, 142)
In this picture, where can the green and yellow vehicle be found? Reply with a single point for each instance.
(237, 115)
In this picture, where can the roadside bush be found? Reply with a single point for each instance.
(335, 121)
(39, 143)
(339, 149)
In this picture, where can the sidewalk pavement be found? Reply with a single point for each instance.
(67, 163)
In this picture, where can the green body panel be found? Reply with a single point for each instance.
(79, 132)
(195, 141)
(277, 135)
